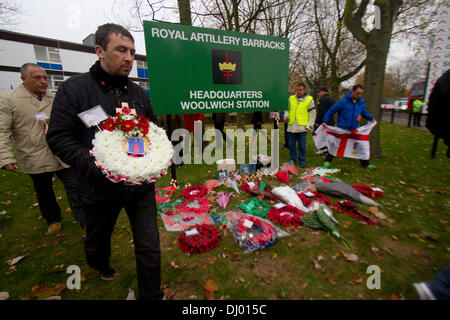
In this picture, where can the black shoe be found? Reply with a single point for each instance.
(108, 274)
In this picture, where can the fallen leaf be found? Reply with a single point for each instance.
(402, 182)
(43, 292)
(193, 297)
(2, 213)
(360, 280)
(192, 266)
(174, 242)
(120, 235)
(320, 258)
(4, 295)
(268, 281)
(54, 298)
(68, 210)
(394, 297)
(5, 203)
(210, 288)
(351, 257)
(290, 244)
(13, 261)
(174, 265)
(169, 294)
(275, 256)
(241, 279)
(211, 260)
(394, 237)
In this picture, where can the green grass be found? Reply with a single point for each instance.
(412, 245)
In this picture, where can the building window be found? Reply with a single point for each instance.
(54, 81)
(142, 69)
(141, 64)
(48, 57)
(144, 85)
(47, 54)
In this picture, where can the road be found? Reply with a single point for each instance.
(402, 118)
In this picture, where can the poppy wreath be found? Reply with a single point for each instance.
(206, 239)
(184, 221)
(264, 236)
(194, 192)
(368, 191)
(131, 149)
(305, 200)
(321, 198)
(204, 206)
(163, 195)
(286, 216)
(349, 207)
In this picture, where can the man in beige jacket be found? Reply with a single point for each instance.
(24, 114)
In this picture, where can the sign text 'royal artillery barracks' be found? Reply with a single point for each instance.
(200, 70)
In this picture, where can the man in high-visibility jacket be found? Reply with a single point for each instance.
(418, 107)
(300, 119)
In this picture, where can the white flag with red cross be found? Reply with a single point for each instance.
(345, 143)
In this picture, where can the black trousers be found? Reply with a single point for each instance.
(364, 163)
(45, 194)
(416, 120)
(141, 210)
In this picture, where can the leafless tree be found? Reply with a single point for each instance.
(10, 13)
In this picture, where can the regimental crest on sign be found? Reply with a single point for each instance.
(226, 67)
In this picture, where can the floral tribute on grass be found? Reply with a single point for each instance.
(132, 149)
(198, 239)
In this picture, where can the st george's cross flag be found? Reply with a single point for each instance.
(345, 143)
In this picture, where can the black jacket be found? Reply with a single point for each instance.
(439, 108)
(325, 103)
(71, 141)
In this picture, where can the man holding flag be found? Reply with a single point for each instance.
(349, 108)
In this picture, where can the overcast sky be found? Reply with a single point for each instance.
(73, 21)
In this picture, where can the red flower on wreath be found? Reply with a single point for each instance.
(141, 117)
(127, 125)
(143, 126)
(110, 124)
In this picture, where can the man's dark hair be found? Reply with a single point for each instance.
(324, 89)
(357, 86)
(301, 84)
(103, 32)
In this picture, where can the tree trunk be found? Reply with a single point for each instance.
(377, 43)
(185, 12)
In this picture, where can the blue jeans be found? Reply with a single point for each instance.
(440, 285)
(301, 138)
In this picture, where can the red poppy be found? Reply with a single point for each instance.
(109, 124)
(144, 130)
(141, 117)
(127, 125)
(143, 123)
(126, 110)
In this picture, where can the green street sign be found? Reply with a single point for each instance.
(201, 70)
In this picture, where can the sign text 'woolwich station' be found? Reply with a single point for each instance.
(200, 70)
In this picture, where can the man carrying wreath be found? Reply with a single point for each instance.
(107, 84)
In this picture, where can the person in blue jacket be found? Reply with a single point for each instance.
(349, 108)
